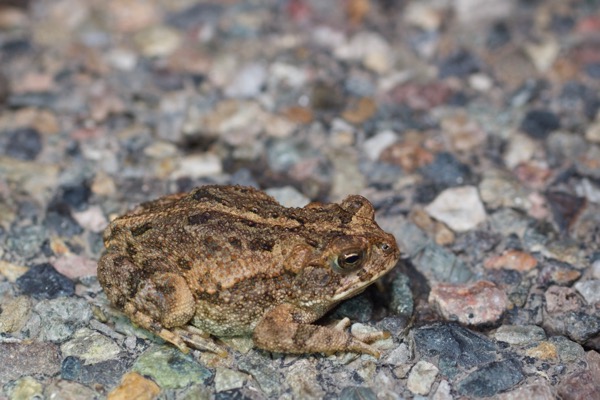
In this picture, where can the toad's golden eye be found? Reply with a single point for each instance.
(349, 260)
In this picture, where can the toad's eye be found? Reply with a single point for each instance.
(349, 261)
(386, 248)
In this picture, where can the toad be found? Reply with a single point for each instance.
(230, 261)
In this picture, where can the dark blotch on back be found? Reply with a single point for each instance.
(311, 242)
(211, 244)
(207, 194)
(301, 219)
(131, 250)
(140, 230)
(201, 194)
(199, 219)
(261, 244)
(235, 242)
(184, 264)
(345, 217)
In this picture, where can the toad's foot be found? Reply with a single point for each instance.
(282, 330)
(367, 337)
(181, 337)
(199, 340)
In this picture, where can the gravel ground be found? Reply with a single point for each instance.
(472, 125)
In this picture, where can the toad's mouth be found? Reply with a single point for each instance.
(352, 285)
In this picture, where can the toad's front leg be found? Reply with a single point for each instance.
(282, 330)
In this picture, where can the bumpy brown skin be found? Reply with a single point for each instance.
(231, 261)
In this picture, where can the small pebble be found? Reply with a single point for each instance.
(539, 390)
(460, 208)
(248, 82)
(14, 314)
(457, 348)
(12, 271)
(134, 385)
(460, 64)
(568, 350)
(512, 260)
(590, 290)
(543, 351)
(58, 318)
(421, 377)
(357, 393)
(92, 219)
(519, 334)
(64, 389)
(24, 144)
(27, 388)
(227, 379)
(495, 377)
(75, 267)
(28, 358)
(170, 368)
(471, 303)
(581, 384)
(560, 300)
(90, 346)
(288, 196)
(540, 123)
(157, 41)
(375, 145)
(43, 281)
(446, 170)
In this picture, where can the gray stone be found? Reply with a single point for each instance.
(170, 368)
(90, 346)
(507, 221)
(580, 385)
(26, 388)
(248, 82)
(501, 189)
(399, 356)
(267, 375)
(457, 348)
(26, 241)
(21, 359)
(359, 308)
(493, 378)
(519, 334)
(288, 196)
(442, 392)
(582, 326)
(460, 208)
(440, 265)
(227, 379)
(596, 269)
(61, 389)
(59, 318)
(303, 378)
(401, 302)
(539, 390)
(14, 314)
(421, 377)
(568, 350)
(357, 393)
(590, 290)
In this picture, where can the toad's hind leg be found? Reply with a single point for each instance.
(164, 305)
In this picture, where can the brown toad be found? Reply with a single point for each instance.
(231, 261)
